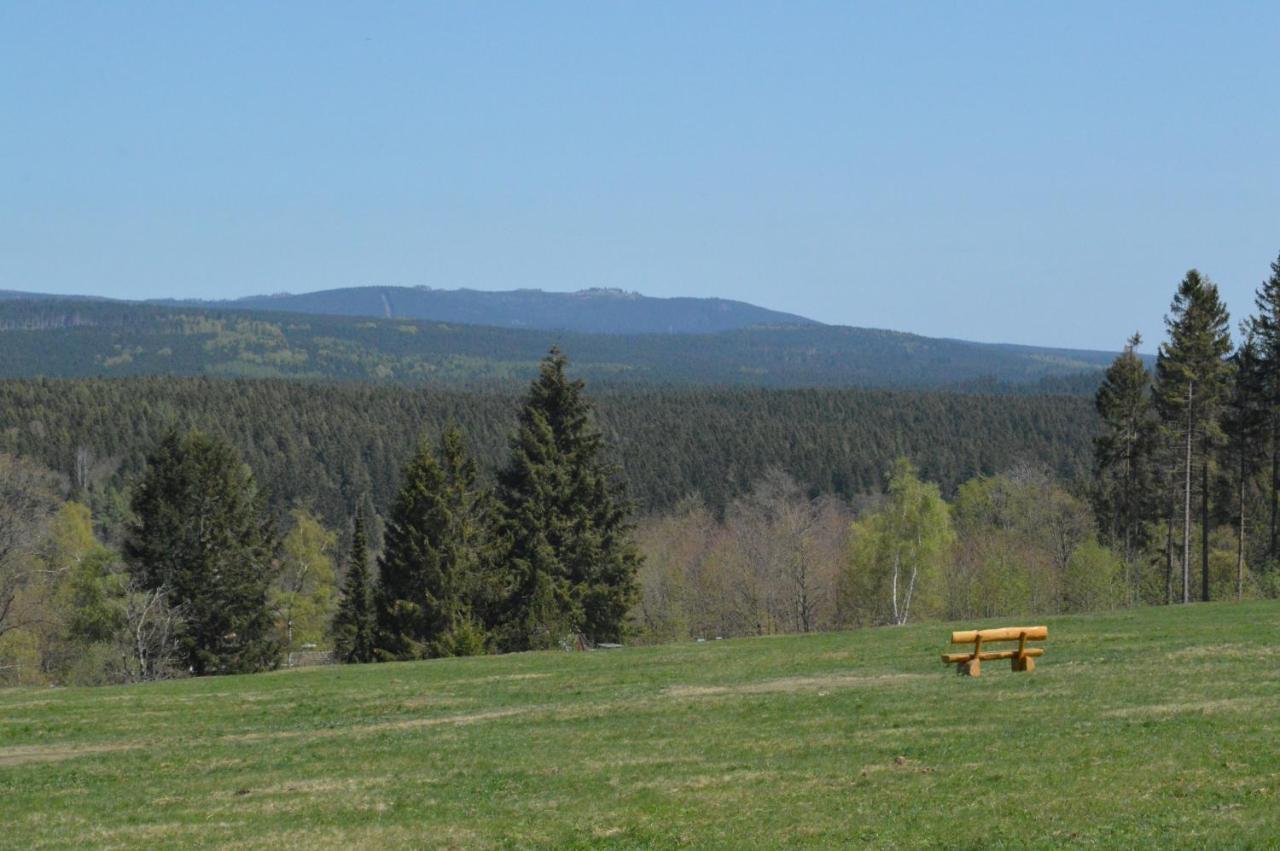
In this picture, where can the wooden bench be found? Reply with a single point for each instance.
(1023, 659)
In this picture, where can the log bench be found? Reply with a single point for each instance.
(1023, 659)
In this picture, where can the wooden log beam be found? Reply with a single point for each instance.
(1008, 633)
(988, 655)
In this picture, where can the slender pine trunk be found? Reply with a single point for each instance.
(1168, 553)
(1204, 529)
(1275, 487)
(1240, 538)
(1186, 508)
(1128, 520)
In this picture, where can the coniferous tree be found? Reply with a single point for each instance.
(566, 537)
(355, 620)
(1123, 452)
(433, 562)
(1266, 328)
(1246, 424)
(201, 536)
(1191, 384)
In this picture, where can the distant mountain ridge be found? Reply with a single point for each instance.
(81, 338)
(591, 311)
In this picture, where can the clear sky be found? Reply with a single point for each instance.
(1027, 172)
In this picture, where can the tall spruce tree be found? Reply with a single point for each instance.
(432, 567)
(1124, 452)
(202, 535)
(1266, 328)
(1192, 375)
(355, 620)
(568, 549)
(1246, 424)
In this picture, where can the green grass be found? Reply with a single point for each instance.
(1158, 727)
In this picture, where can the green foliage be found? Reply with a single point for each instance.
(355, 622)
(304, 593)
(1192, 383)
(1094, 579)
(897, 554)
(1124, 488)
(93, 598)
(1017, 533)
(201, 536)
(321, 445)
(563, 522)
(1265, 330)
(432, 569)
(28, 505)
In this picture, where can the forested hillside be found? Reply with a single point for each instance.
(329, 445)
(70, 338)
(594, 311)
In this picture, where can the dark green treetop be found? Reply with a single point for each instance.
(1193, 379)
(355, 620)
(1191, 369)
(1265, 326)
(201, 534)
(433, 563)
(1124, 451)
(564, 524)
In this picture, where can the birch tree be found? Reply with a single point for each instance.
(897, 553)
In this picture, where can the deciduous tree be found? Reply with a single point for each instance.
(897, 553)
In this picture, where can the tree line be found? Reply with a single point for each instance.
(333, 449)
(1017, 543)
(206, 584)
(1187, 482)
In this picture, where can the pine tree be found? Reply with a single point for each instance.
(354, 622)
(1123, 452)
(1266, 328)
(202, 536)
(1246, 424)
(564, 522)
(433, 563)
(1192, 376)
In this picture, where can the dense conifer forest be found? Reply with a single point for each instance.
(329, 446)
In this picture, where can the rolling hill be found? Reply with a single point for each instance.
(593, 311)
(66, 337)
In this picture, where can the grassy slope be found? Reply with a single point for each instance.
(1153, 727)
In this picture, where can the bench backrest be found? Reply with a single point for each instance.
(1023, 659)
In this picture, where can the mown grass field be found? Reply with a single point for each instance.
(1156, 728)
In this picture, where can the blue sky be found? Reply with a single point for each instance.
(1023, 172)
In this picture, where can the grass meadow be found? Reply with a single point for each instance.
(1158, 727)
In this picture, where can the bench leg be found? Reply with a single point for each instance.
(1023, 662)
(972, 668)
